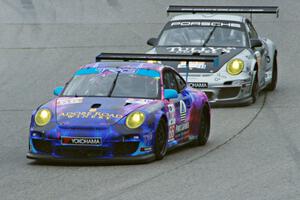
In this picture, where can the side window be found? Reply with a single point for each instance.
(252, 31)
(180, 82)
(169, 81)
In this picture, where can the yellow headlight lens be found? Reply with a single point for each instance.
(135, 120)
(42, 117)
(235, 66)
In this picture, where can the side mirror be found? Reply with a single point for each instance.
(255, 43)
(170, 94)
(57, 91)
(152, 42)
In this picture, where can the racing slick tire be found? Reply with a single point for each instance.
(273, 83)
(255, 89)
(204, 128)
(160, 147)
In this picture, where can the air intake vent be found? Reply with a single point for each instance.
(97, 105)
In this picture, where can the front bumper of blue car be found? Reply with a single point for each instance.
(134, 159)
(120, 148)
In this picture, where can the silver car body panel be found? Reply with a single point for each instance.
(224, 88)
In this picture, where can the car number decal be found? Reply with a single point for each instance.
(171, 121)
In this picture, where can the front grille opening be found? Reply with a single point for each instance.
(131, 136)
(73, 152)
(230, 92)
(228, 83)
(127, 104)
(42, 146)
(96, 105)
(125, 148)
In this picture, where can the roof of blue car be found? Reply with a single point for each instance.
(140, 68)
(141, 65)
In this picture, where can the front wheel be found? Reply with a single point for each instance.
(160, 148)
(273, 83)
(204, 129)
(255, 88)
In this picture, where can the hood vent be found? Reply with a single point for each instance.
(127, 104)
(96, 105)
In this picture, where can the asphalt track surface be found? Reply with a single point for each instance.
(253, 152)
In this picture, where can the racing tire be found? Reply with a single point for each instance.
(204, 127)
(255, 90)
(272, 85)
(161, 140)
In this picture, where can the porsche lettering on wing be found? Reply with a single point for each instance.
(205, 23)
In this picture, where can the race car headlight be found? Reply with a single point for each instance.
(235, 66)
(42, 117)
(135, 120)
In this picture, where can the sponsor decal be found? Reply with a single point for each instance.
(93, 110)
(199, 85)
(171, 121)
(192, 65)
(182, 127)
(182, 111)
(171, 132)
(206, 23)
(80, 141)
(201, 50)
(138, 101)
(171, 114)
(90, 115)
(146, 148)
(68, 100)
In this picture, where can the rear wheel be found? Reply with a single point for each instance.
(204, 128)
(273, 83)
(161, 138)
(255, 88)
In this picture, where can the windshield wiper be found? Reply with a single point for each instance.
(209, 36)
(113, 85)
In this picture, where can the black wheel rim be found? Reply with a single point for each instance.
(161, 139)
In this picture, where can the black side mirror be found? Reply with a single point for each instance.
(152, 42)
(255, 43)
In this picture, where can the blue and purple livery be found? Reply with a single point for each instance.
(119, 111)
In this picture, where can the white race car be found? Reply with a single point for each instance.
(247, 63)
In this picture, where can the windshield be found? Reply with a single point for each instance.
(199, 35)
(113, 84)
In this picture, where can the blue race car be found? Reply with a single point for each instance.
(119, 111)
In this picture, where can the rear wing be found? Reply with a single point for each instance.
(159, 57)
(156, 57)
(224, 9)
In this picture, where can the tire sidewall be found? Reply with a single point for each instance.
(273, 83)
(255, 89)
(159, 153)
(203, 137)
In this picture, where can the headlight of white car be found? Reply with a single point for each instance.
(235, 66)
